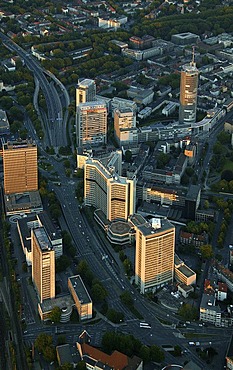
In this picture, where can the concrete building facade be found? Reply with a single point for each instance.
(80, 296)
(43, 264)
(188, 93)
(105, 190)
(154, 261)
(91, 123)
(125, 126)
(85, 91)
(20, 167)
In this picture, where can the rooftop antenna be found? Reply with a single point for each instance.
(193, 64)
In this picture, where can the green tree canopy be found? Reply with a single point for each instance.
(206, 251)
(55, 314)
(188, 312)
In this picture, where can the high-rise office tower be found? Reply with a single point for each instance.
(188, 93)
(125, 125)
(104, 189)
(91, 123)
(155, 248)
(43, 264)
(20, 167)
(85, 91)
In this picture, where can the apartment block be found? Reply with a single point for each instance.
(91, 123)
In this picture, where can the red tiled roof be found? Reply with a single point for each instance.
(222, 287)
(117, 360)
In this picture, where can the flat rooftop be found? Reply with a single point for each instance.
(186, 270)
(23, 202)
(120, 228)
(151, 228)
(18, 144)
(42, 238)
(64, 302)
(80, 289)
(137, 219)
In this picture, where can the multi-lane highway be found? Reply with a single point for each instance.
(54, 121)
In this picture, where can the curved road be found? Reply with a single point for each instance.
(55, 122)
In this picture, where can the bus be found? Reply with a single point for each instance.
(145, 325)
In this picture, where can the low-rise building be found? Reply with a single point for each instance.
(209, 312)
(183, 273)
(141, 96)
(65, 303)
(96, 359)
(222, 291)
(81, 297)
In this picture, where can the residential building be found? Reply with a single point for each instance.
(80, 296)
(154, 261)
(208, 311)
(125, 126)
(91, 123)
(85, 91)
(115, 195)
(188, 93)
(20, 166)
(222, 291)
(96, 359)
(43, 264)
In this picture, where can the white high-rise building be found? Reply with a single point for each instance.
(85, 91)
(91, 123)
(155, 248)
(104, 189)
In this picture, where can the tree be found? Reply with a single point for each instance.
(43, 340)
(227, 175)
(206, 204)
(55, 314)
(98, 292)
(177, 351)
(67, 366)
(62, 263)
(49, 353)
(128, 156)
(126, 298)
(156, 354)
(66, 163)
(81, 366)
(114, 316)
(206, 251)
(144, 353)
(188, 312)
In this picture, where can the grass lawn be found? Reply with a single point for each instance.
(228, 165)
(195, 335)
